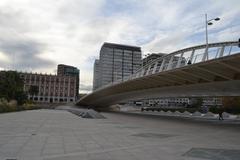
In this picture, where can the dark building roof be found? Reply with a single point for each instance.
(64, 65)
(63, 69)
(121, 46)
(151, 57)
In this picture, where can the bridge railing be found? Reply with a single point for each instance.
(188, 56)
(184, 57)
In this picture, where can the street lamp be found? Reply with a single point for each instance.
(208, 22)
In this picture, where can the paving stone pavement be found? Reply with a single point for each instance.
(60, 135)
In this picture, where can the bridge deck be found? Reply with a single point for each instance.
(217, 77)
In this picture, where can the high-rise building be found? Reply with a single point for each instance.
(96, 75)
(116, 62)
(66, 70)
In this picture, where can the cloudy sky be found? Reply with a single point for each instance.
(36, 35)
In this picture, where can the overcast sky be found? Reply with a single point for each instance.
(36, 35)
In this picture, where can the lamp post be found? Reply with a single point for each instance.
(208, 22)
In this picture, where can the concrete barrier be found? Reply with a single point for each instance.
(177, 113)
(209, 115)
(186, 114)
(197, 114)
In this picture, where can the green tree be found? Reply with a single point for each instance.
(21, 97)
(11, 86)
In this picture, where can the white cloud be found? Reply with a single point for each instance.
(4, 58)
(72, 31)
(231, 34)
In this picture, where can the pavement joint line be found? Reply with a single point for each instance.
(63, 145)
(43, 146)
(5, 135)
(24, 144)
(102, 151)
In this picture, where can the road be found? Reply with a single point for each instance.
(60, 135)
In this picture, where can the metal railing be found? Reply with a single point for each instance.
(188, 56)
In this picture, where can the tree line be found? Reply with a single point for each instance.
(11, 87)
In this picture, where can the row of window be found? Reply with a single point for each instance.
(56, 93)
(50, 99)
(49, 82)
(51, 87)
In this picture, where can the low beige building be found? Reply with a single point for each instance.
(47, 88)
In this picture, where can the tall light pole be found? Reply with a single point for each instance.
(208, 22)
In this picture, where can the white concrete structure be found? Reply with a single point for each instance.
(183, 73)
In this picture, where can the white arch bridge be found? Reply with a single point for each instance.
(212, 70)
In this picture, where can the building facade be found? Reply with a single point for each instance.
(116, 62)
(150, 57)
(212, 101)
(96, 75)
(162, 102)
(47, 88)
(66, 70)
(176, 102)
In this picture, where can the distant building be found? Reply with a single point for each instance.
(175, 102)
(116, 62)
(60, 88)
(151, 57)
(212, 101)
(96, 75)
(162, 102)
(66, 70)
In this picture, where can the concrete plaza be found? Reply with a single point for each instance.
(61, 135)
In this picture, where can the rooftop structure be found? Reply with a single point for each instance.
(66, 70)
(151, 57)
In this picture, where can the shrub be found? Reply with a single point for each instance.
(214, 109)
(11, 86)
(12, 106)
(3, 105)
